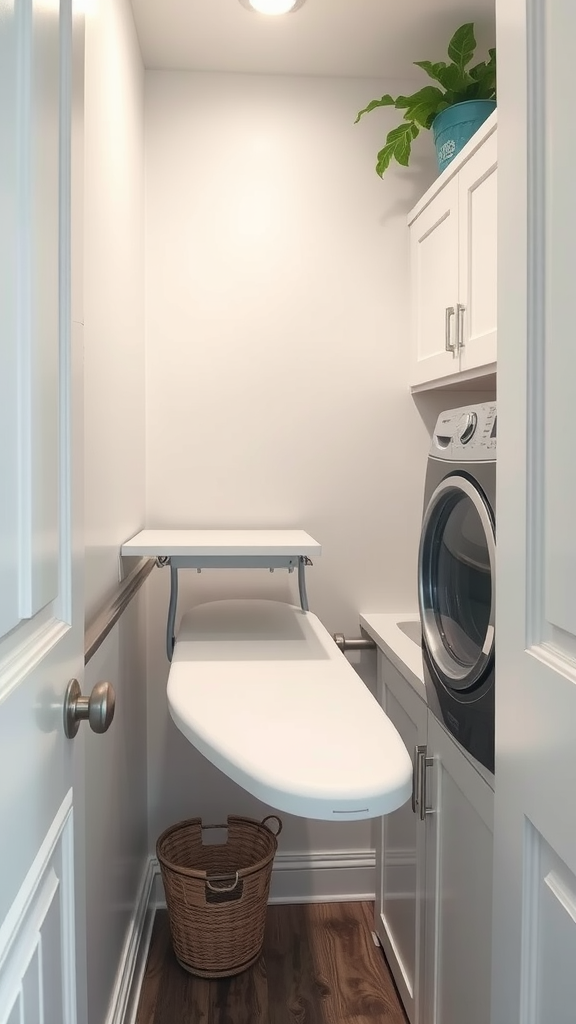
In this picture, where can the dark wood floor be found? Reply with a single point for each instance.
(319, 966)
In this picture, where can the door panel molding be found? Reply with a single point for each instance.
(559, 248)
(37, 935)
(16, 666)
(557, 656)
(549, 932)
(537, 631)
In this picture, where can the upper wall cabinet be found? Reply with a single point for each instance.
(453, 235)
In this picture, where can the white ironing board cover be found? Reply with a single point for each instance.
(261, 689)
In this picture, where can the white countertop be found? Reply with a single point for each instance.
(406, 656)
(404, 653)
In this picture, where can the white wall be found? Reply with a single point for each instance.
(277, 365)
(116, 811)
(114, 293)
(115, 808)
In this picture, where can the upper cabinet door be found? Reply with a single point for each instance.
(477, 254)
(434, 258)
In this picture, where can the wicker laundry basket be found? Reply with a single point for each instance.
(217, 895)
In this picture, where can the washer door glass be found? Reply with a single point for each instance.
(456, 566)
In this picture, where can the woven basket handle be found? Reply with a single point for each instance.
(273, 817)
(222, 878)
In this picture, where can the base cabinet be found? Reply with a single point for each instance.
(457, 933)
(400, 853)
(434, 871)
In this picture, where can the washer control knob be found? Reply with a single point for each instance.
(467, 427)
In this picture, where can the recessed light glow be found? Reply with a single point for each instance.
(272, 6)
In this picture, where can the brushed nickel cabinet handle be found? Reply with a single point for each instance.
(419, 753)
(450, 345)
(424, 763)
(460, 310)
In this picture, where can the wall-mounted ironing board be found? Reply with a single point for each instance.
(261, 689)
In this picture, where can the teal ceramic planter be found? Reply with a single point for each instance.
(456, 125)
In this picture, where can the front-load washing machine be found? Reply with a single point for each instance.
(456, 573)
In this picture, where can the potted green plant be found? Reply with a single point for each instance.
(454, 108)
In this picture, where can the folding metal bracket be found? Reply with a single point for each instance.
(200, 562)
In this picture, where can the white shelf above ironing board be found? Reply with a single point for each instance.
(223, 549)
(222, 544)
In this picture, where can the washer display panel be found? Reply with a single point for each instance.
(456, 567)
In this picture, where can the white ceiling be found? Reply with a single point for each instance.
(363, 38)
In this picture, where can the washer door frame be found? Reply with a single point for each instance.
(455, 676)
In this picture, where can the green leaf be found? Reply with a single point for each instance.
(398, 146)
(421, 105)
(450, 76)
(484, 75)
(433, 70)
(456, 79)
(385, 101)
(462, 45)
(478, 71)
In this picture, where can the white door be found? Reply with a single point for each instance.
(477, 254)
(534, 937)
(434, 287)
(41, 604)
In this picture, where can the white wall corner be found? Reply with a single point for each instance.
(320, 877)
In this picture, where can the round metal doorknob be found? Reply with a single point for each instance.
(97, 709)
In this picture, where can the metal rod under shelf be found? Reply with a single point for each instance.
(359, 643)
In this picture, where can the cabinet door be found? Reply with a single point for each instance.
(400, 856)
(458, 886)
(477, 254)
(434, 292)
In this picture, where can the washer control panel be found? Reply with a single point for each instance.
(466, 435)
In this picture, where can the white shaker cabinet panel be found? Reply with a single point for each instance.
(458, 886)
(477, 253)
(400, 856)
(434, 272)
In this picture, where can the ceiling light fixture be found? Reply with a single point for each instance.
(272, 6)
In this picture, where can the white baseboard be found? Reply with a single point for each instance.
(317, 877)
(126, 992)
(324, 877)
